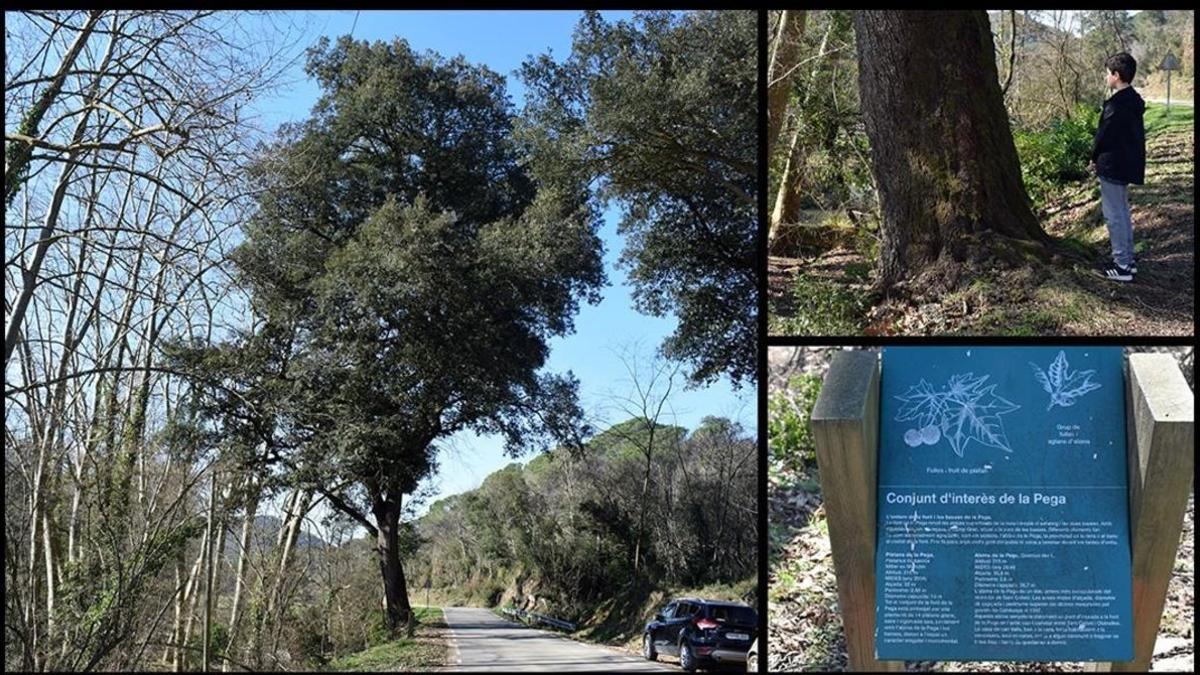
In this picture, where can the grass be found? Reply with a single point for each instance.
(1157, 120)
(425, 651)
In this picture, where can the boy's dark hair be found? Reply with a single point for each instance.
(1124, 65)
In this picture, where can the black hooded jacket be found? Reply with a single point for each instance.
(1120, 148)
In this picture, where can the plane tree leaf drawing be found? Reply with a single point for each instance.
(1064, 386)
(966, 409)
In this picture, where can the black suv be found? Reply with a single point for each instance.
(701, 632)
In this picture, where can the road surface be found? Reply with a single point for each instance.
(480, 640)
(1186, 102)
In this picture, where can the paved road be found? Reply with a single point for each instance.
(1186, 102)
(480, 640)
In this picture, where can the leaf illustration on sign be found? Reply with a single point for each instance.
(963, 411)
(1064, 386)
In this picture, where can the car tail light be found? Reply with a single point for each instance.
(706, 624)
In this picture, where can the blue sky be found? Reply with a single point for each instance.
(502, 40)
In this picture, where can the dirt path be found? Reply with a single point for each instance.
(1160, 300)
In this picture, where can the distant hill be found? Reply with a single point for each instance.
(266, 529)
(1030, 31)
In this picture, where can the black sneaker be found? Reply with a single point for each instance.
(1115, 272)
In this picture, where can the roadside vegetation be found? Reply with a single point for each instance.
(576, 537)
(426, 650)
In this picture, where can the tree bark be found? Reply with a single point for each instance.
(791, 182)
(240, 580)
(208, 571)
(397, 611)
(941, 148)
(785, 53)
(1012, 50)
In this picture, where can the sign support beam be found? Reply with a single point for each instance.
(1159, 407)
(845, 423)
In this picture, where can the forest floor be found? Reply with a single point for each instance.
(805, 626)
(1060, 295)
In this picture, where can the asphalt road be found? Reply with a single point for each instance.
(480, 640)
(1186, 102)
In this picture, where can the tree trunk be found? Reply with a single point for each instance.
(190, 595)
(1012, 51)
(208, 572)
(785, 53)
(787, 195)
(791, 181)
(637, 544)
(240, 580)
(173, 653)
(397, 611)
(942, 152)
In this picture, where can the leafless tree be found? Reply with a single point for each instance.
(125, 178)
(650, 384)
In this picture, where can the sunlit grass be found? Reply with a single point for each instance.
(1157, 119)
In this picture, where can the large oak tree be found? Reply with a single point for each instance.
(417, 270)
(659, 115)
(941, 148)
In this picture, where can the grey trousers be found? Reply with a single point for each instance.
(1114, 203)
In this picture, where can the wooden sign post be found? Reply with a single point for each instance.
(1159, 418)
(1159, 409)
(845, 422)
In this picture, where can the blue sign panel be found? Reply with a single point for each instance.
(1003, 520)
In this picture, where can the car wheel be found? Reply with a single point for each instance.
(752, 662)
(648, 648)
(687, 660)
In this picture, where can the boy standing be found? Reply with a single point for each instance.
(1118, 159)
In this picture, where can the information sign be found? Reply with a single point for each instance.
(1003, 521)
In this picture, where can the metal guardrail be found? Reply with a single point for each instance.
(557, 623)
(535, 618)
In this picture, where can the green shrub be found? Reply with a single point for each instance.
(218, 638)
(307, 643)
(822, 308)
(789, 431)
(378, 632)
(1056, 154)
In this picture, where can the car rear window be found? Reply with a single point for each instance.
(733, 613)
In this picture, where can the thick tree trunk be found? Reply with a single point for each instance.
(791, 185)
(941, 148)
(397, 611)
